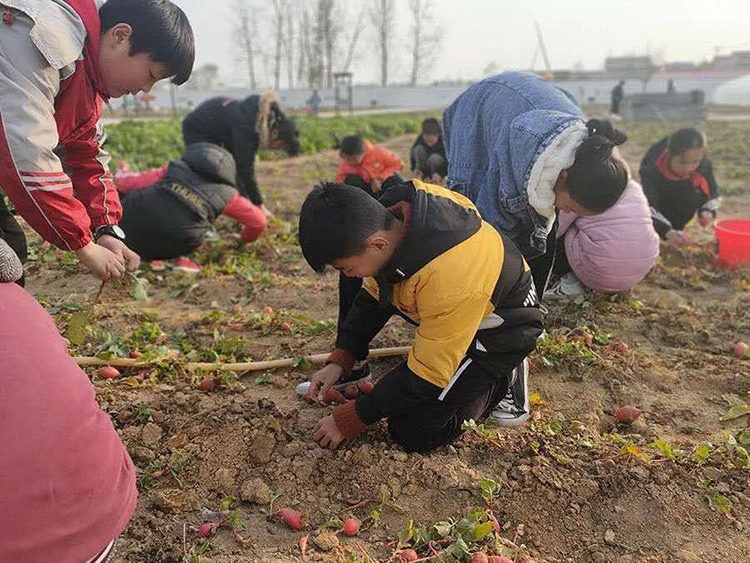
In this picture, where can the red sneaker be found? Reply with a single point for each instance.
(157, 266)
(184, 264)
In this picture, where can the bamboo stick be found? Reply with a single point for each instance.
(242, 366)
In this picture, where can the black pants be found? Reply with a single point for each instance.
(429, 164)
(158, 226)
(429, 421)
(541, 266)
(561, 266)
(11, 232)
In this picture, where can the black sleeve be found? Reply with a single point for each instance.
(400, 391)
(245, 147)
(649, 181)
(365, 319)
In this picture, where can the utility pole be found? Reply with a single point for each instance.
(543, 48)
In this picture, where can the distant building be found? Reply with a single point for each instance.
(735, 61)
(639, 68)
(680, 66)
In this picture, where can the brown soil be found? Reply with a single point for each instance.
(569, 492)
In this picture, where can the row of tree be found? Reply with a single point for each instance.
(302, 43)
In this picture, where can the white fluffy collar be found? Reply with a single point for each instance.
(558, 156)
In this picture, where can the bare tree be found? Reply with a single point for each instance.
(383, 14)
(328, 32)
(354, 39)
(304, 43)
(244, 32)
(203, 78)
(278, 18)
(426, 36)
(289, 43)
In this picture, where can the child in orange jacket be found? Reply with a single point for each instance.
(364, 165)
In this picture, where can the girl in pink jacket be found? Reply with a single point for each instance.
(610, 252)
(67, 482)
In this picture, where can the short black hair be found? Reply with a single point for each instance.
(160, 29)
(335, 222)
(431, 126)
(352, 145)
(685, 139)
(597, 179)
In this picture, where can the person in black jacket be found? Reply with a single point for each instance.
(243, 127)
(428, 160)
(168, 217)
(618, 93)
(678, 180)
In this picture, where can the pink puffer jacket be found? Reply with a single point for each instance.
(615, 250)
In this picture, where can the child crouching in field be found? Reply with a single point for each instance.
(678, 180)
(68, 484)
(168, 211)
(428, 160)
(364, 165)
(427, 256)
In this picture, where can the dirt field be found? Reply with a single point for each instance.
(572, 485)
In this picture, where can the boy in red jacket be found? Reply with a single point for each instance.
(364, 165)
(61, 60)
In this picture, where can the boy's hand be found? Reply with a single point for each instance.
(705, 218)
(115, 245)
(103, 263)
(322, 381)
(376, 185)
(327, 434)
(678, 238)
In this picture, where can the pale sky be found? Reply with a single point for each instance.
(477, 32)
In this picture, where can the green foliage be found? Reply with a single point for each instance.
(150, 143)
(554, 350)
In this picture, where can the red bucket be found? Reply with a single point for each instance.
(733, 236)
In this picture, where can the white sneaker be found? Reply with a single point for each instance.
(565, 287)
(514, 409)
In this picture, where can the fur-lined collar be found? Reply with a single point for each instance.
(266, 101)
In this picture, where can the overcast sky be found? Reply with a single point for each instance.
(477, 32)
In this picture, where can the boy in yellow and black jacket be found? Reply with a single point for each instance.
(427, 256)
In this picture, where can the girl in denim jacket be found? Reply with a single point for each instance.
(521, 150)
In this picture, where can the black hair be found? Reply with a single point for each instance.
(335, 222)
(685, 139)
(597, 179)
(160, 29)
(431, 126)
(352, 145)
(289, 134)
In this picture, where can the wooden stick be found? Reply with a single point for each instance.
(242, 366)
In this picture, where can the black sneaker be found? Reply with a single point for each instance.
(514, 409)
(360, 372)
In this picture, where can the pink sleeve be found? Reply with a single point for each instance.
(565, 220)
(250, 215)
(131, 181)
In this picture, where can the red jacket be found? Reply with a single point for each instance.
(377, 164)
(52, 166)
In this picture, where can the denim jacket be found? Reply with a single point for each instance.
(507, 138)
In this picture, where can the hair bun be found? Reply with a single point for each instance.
(604, 128)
